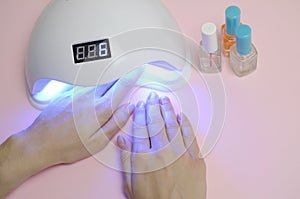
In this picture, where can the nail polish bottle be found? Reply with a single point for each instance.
(233, 16)
(210, 53)
(243, 55)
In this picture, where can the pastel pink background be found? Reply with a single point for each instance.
(258, 153)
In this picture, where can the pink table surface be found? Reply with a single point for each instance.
(257, 155)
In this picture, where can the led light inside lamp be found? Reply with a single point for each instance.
(158, 71)
(52, 90)
(161, 73)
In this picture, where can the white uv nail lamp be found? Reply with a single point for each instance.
(93, 42)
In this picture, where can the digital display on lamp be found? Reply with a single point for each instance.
(91, 51)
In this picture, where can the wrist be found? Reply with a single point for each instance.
(5, 177)
(15, 165)
(21, 156)
(38, 153)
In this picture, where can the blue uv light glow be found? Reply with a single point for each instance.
(161, 75)
(51, 90)
(158, 75)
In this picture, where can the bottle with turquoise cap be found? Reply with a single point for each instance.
(243, 55)
(233, 18)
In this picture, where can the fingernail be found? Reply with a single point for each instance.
(164, 100)
(141, 105)
(130, 108)
(121, 142)
(179, 117)
(152, 95)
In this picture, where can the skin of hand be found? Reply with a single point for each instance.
(53, 138)
(162, 159)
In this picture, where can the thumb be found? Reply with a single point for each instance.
(125, 157)
(188, 135)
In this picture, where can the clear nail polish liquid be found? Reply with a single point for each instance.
(243, 58)
(210, 53)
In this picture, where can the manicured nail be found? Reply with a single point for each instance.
(140, 105)
(164, 100)
(179, 117)
(121, 142)
(152, 95)
(130, 108)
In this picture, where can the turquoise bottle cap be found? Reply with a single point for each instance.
(233, 17)
(243, 40)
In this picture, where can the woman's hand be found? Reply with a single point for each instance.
(82, 122)
(73, 127)
(163, 160)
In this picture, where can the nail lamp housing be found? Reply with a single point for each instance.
(92, 42)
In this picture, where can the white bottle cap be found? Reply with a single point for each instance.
(209, 37)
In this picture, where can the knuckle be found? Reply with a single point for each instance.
(141, 148)
(168, 108)
(189, 136)
(125, 157)
(139, 127)
(155, 129)
(155, 121)
(139, 122)
(189, 140)
(171, 124)
(154, 117)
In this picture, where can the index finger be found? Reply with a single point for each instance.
(121, 88)
(110, 101)
(188, 135)
(140, 133)
(102, 89)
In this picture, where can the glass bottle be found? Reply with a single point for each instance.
(210, 53)
(243, 59)
(233, 16)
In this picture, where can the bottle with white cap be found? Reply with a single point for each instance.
(210, 53)
(243, 55)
